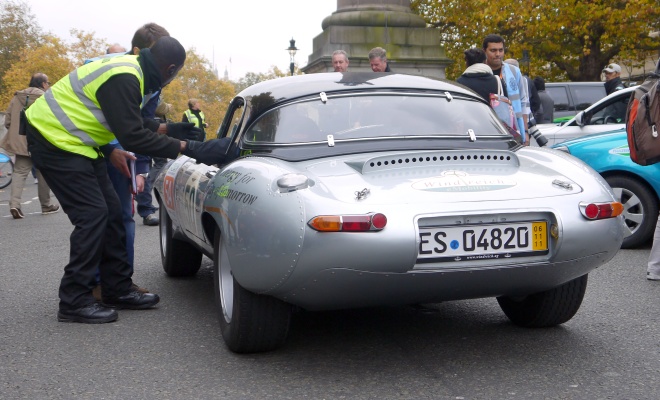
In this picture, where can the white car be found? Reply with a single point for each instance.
(606, 115)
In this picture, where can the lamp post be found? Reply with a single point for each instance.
(292, 52)
(525, 61)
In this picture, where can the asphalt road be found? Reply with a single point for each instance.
(456, 350)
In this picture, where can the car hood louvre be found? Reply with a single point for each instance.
(435, 158)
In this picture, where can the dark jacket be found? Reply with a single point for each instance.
(613, 85)
(546, 114)
(482, 82)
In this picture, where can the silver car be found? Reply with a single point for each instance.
(369, 189)
(606, 115)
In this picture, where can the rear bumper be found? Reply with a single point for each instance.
(346, 288)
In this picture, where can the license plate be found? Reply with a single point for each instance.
(482, 242)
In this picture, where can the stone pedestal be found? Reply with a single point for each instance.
(359, 26)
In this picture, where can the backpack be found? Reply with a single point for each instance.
(642, 119)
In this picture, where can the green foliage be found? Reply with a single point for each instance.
(565, 39)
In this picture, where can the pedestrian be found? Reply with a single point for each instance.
(546, 113)
(340, 61)
(145, 37)
(16, 143)
(104, 97)
(378, 60)
(478, 76)
(511, 77)
(195, 115)
(612, 78)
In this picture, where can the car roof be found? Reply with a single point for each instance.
(574, 83)
(265, 94)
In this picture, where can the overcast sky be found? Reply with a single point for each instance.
(254, 34)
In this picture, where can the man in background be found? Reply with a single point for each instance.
(340, 61)
(378, 60)
(16, 143)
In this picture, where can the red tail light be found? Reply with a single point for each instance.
(601, 210)
(348, 223)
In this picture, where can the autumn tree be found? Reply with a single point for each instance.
(50, 58)
(565, 39)
(197, 80)
(85, 46)
(18, 31)
(251, 78)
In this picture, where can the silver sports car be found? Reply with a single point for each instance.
(366, 189)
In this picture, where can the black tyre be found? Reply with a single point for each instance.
(249, 322)
(544, 309)
(179, 258)
(640, 209)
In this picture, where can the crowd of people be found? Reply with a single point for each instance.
(97, 173)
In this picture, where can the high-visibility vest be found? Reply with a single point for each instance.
(68, 115)
(193, 118)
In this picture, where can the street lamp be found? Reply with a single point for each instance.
(524, 62)
(292, 52)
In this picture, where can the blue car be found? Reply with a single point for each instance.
(636, 187)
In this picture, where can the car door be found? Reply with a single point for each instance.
(607, 115)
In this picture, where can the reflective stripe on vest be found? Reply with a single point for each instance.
(193, 118)
(69, 115)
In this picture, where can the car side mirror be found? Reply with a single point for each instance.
(580, 118)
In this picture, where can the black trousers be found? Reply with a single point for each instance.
(98, 240)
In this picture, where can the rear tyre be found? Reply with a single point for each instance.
(640, 209)
(179, 258)
(249, 322)
(544, 309)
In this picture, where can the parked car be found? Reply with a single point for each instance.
(606, 115)
(571, 97)
(366, 189)
(636, 187)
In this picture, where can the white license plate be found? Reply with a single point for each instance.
(482, 242)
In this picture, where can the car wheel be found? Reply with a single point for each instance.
(640, 209)
(179, 258)
(249, 322)
(549, 308)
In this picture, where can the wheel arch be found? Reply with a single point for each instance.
(632, 176)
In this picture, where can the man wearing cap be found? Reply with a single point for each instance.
(612, 78)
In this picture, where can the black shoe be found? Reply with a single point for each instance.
(135, 300)
(151, 220)
(93, 313)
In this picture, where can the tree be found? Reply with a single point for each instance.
(565, 39)
(49, 58)
(197, 80)
(251, 78)
(85, 47)
(18, 31)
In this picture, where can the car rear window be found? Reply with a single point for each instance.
(375, 116)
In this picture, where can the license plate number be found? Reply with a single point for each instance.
(482, 242)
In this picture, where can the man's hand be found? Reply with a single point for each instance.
(210, 152)
(118, 158)
(184, 131)
(140, 183)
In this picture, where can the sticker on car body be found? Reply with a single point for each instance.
(461, 181)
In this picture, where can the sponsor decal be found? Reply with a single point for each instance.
(461, 181)
(623, 150)
(235, 195)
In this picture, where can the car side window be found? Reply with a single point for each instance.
(232, 120)
(584, 96)
(560, 97)
(610, 112)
